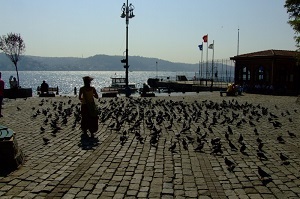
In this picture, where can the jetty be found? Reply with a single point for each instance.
(182, 84)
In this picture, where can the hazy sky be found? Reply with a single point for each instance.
(164, 29)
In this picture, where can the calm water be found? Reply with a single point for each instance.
(67, 80)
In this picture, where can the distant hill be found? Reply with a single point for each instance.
(94, 63)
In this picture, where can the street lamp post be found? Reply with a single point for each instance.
(156, 70)
(127, 13)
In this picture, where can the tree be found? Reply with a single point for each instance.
(293, 8)
(13, 46)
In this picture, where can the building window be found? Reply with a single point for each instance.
(246, 74)
(291, 77)
(261, 73)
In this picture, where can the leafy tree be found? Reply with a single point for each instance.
(13, 46)
(293, 8)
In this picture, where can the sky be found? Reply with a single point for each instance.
(165, 29)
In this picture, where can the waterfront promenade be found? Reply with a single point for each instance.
(161, 147)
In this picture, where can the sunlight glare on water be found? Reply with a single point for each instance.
(67, 80)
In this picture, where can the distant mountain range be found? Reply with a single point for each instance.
(94, 63)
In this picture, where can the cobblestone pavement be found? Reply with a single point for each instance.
(145, 148)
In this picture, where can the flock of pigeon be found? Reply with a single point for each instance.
(200, 126)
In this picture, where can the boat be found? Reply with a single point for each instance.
(118, 85)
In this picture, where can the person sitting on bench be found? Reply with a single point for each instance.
(44, 87)
(145, 89)
(231, 90)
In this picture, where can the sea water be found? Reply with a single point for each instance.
(66, 81)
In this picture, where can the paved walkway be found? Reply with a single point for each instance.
(152, 160)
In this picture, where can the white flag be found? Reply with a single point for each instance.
(211, 46)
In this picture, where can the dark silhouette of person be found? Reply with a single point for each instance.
(145, 89)
(44, 87)
(89, 112)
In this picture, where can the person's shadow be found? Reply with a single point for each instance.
(88, 143)
(4, 172)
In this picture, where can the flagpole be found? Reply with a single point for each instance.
(212, 65)
(212, 62)
(238, 42)
(206, 59)
(201, 59)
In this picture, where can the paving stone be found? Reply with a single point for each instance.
(118, 196)
(69, 196)
(142, 194)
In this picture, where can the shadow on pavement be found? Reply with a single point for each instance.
(88, 143)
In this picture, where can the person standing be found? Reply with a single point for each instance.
(89, 112)
(1, 93)
(13, 82)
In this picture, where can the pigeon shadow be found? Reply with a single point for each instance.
(285, 163)
(245, 153)
(266, 181)
(88, 143)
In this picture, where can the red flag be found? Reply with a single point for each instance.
(205, 38)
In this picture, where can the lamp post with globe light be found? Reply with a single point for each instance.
(127, 13)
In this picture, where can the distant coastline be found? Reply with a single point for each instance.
(95, 63)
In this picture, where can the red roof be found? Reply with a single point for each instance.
(268, 53)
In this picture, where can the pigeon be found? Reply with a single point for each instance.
(184, 144)
(203, 136)
(291, 134)
(141, 140)
(227, 136)
(232, 146)
(263, 175)
(123, 139)
(210, 129)
(172, 147)
(42, 129)
(280, 139)
(277, 124)
(198, 130)
(46, 140)
(243, 148)
(251, 123)
(238, 123)
(215, 140)
(229, 164)
(137, 134)
(190, 139)
(217, 148)
(283, 158)
(170, 126)
(260, 146)
(112, 125)
(241, 138)
(261, 155)
(199, 147)
(258, 140)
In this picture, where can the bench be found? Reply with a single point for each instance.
(5, 133)
(148, 94)
(110, 94)
(222, 92)
(228, 93)
(51, 92)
